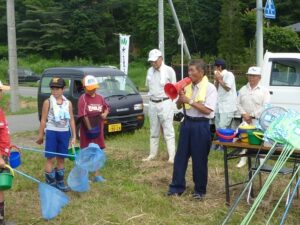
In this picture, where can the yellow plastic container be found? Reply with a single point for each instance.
(243, 132)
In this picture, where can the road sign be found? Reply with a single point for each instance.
(270, 10)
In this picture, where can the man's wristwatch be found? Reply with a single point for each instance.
(191, 101)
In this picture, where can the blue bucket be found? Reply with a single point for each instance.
(93, 133)
(15, 159)
(225, 135)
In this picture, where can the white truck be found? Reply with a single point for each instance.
(281, 75)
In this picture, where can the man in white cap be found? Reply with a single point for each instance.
(251, 100)
(161, 108)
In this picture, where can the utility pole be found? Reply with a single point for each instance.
(12, 55)
(259, 33)
(185, 47)
(161, 29)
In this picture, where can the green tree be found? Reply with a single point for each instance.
(44, 31)
(231, 42)
(278, 39)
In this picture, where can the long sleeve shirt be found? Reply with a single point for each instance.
(4, 135)
(251, 101)
(157, 79)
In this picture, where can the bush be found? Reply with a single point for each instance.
(280, 39)
(3, 52)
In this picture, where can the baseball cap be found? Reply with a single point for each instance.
(57, 82)
(219, 62)
(4, 87)
(254, 70)
(154, 54)
(90, 82)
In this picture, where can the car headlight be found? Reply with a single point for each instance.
(138, 106)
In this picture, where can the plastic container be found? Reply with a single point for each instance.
(15, 159)
(93, 133)
(6, 178)
(225, 135)
(71, 152)
(254, 138)
(243, 132)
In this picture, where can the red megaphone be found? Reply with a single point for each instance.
(172, 90)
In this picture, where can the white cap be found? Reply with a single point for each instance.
(90, 82)
(254, 70)
(4, 87)
(154, 54)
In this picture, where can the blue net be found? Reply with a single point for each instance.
(52, 200)
(78, 179)
(91, 158)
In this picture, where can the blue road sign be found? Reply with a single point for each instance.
(270, 10)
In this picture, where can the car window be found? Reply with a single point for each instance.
(78, 88)
(285, 73)
(116, 85)
(45, 89)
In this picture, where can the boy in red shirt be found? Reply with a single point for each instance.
(4, 149)
(92, 111)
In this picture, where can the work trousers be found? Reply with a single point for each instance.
(194, 141)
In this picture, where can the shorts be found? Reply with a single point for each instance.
(57, 142)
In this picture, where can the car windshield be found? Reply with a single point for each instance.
(116, 86)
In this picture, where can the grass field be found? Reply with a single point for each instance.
(135, 191)
(27, 105)
(137, 70)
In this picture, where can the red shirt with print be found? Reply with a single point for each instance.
(4, 135)
(91, 107)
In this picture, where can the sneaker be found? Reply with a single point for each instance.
(149, 158)
(169, 193)
(213, 147)
(99, 179)
(198, 196)
(220, 148)
(171, 161)
(242, 162)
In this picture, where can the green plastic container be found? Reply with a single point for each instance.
(71, 152)
(6, 179)
(254, 137)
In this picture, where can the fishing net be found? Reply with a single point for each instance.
(274, 131)
(52, 200)
(78, 179)
(91, 158)
(293, 134)
(269, 115)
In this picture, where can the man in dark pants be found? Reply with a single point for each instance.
(199, 100)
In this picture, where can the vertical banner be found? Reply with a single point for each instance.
(124, 52)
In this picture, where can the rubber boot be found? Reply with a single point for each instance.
(154, 142)
(2, 222)
(60, 183)
(50, 178)
(171, 149)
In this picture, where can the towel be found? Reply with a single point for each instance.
(162, 71)
(61, 112)
(201, 95)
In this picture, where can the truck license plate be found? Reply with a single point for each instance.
(114, 127)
